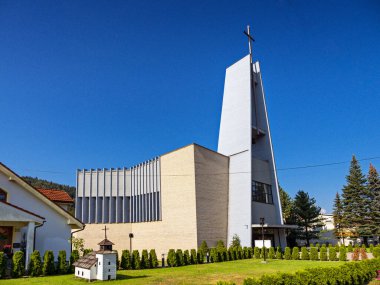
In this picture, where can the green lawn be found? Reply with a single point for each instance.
(194, 274)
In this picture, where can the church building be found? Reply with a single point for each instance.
(194, 194)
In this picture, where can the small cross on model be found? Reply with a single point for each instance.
(250, 40)
(105, 232)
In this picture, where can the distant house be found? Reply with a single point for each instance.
(60, 197)
(100, 265)
(30, 220)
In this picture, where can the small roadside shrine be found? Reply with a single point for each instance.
(100, 265)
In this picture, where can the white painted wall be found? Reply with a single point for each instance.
(235, 141)
(106, 266)
(55, 233)
(89, 274)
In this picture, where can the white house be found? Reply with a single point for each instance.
(100, 265)
(29, 220)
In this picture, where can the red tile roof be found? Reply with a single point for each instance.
(56, 195)
(22, 209)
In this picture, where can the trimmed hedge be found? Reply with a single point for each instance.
(144, 264)
(295, 253)
(193, 256)
(288, 253)
(271, 253)
(18, 269)
(74, 256)
(136, 261)
(358, 273)
(304, 253)
(376, 252)
(48, 267)
(186, 257)
(332, 254)
(278, 253)
(256, 252)
(125, 262)
(153, 261)
(35, 264)
(62, 265)
(179, 257)
(314, 253)
(323, 253)
(171, 259)
(3, 264)
(342, 253)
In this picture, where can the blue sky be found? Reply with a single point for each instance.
(93, 84)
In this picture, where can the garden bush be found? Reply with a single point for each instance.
(74, 256)
(18, 268)
(342, 253)
(204, 248)
(144, 259)
(355, 254)
(250, 252)
(3, 264)
(171, 259)
(200, 257)
(332, 253)
(278, 253)
(287, 253)
(62, 265)
(350, 248)
(271, 253)
(371, 247)
(35, 264)
(136, 261)
(296, 253)
(314, 253)
(363, 254)
(245, 252)
(264, 250)
(221, 251)
(256, 252)
(323, 253)
(358, 273)
(239, 251)
(87, 251)
(193, 256)
(125, 259)
(179, 257)
(213, 255)
(153, 262)
(225, 283)
(48, 267)
(376, 251)
(305, 253)
(186, 257)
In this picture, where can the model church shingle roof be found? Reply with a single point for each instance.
(86, 261)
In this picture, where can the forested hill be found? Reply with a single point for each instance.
(40, 183)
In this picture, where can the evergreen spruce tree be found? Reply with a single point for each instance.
(308, 217)
(339, 230)
(373, 186)
(354, 201)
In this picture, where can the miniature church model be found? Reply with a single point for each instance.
(100, 265)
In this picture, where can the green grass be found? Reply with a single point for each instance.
(235, 271)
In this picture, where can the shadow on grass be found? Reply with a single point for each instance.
(127, 277)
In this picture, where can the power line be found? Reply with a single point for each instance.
(225, 173)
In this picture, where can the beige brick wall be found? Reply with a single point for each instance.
(211, 171)
(178, 228)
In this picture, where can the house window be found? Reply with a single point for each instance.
(99, 262)
(109, 270)
(3, 195)
(262, 192)
(82, 273)
(78, 272)
(109, 262)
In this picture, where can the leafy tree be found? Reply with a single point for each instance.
(308, 217)
(354, 200)
(44, 184)
(35, 264)
(77, 244)
(62, 265)
(153, 262)
(235, 241)
(286, 205)
(373, 187)
(18, 268)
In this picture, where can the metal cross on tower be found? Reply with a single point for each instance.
(105, 232)
(250, 40)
